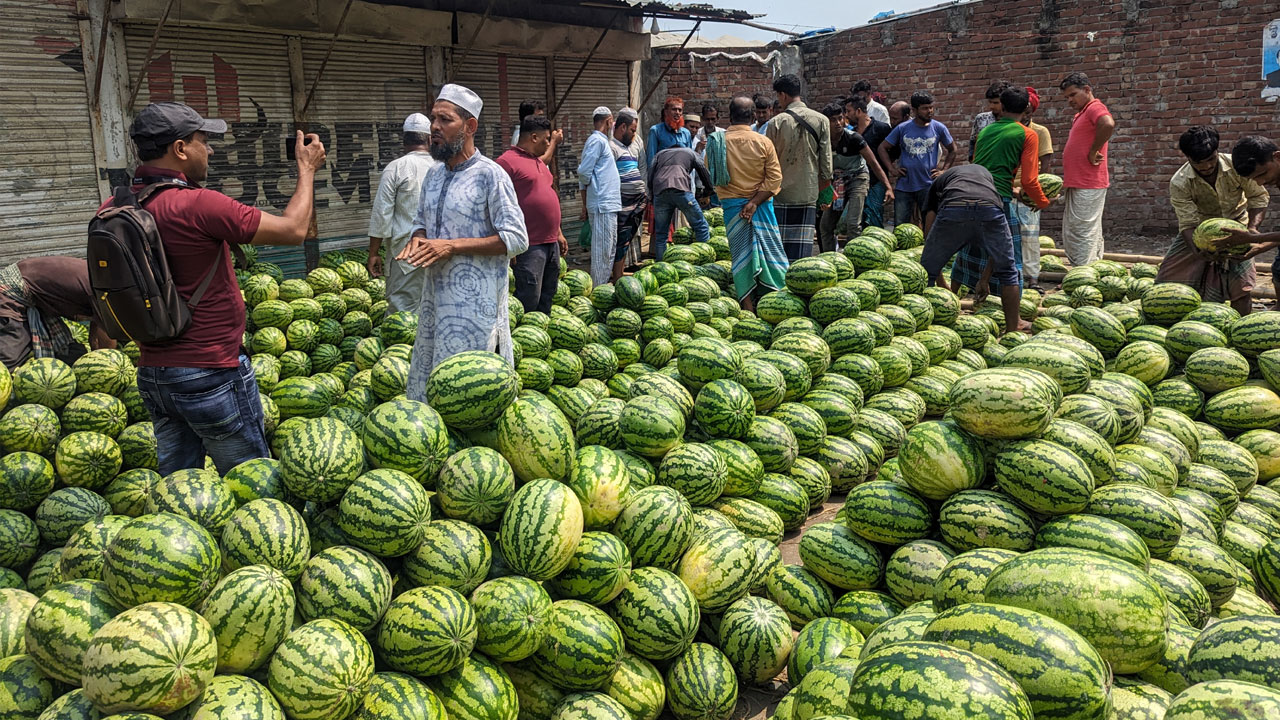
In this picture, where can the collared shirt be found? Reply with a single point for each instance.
(805, 163)
(631, 171)
(197, 225)
(1231, 196)
(1077, 171)
(752, 163)
(672, 169)
(1006, 148)
(396, 204)
(877, 111)
(536, 192)
(662, 137)
(464, 298)
(962, 185)
(598, 175)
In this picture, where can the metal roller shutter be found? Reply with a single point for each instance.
(481, 72)
(48, 178)
(604, 82)
(358, 110)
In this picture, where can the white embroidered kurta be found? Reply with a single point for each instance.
(464, 299)
(395, 209)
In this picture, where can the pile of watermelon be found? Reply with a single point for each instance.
(1079, 522)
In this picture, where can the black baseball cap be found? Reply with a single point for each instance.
(162, 123)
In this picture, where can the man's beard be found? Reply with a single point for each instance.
(446, 150)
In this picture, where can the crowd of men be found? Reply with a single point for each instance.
(448, 222)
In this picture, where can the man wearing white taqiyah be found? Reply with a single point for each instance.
(598, 176)
(467, 228)
(394, 211)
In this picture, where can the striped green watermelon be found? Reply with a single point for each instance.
(44, 381)
(452, 554)
(59, 515)
(15, 607)
(964, 578)
(1169, 672)
(541, 528)
(886, 512)
(1143, 510)
(656, 613)
(156, 657)
(82, 556)
(1093, 532)
(471, 389)
(199, 495)
(589, 706)
(924, 680)
(408, 436)
(582, 648)
(1167, 303)
(912, 570)
(1234, 648)
(87, 459)
(320, 458)
(638, 687)
(1001, 404)
(824, 691)
(800, 593)
(60, 625)
(233, 696)
(1044, 476)
(250, 611)
(973, 519)
(1183, 591)
(161, 557)
(602, 484)
(1209, 564)
(865, 609)
(426, 631)
(475, 485)
(717, 568)
(1086, 445)
(785, 496)
(32, 428)
(512, 617)
(25, 479)
(385, 512)
(95, 412)
(1214, 369)
(345, 584)
(755, 636)
(841, 557)
(1233, 460)
(1060, 672)
(267, 532)
(597, 571)
(724, 409)
(1244, 408)
(697, 471)
(939, 459)
(1224, 699)
(321, 670)
(1127, 627)
(820, 641)
(1252, 334)
(536, 438)
(701, 685)
(24, 690)
(656, 524)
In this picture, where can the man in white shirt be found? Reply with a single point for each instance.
(393, 214)
(878, 112)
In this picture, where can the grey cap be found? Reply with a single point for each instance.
(161, 123)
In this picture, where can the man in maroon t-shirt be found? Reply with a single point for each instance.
(537, 269)
(200, 388)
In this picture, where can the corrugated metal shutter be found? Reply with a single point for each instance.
(358, 110)
(481, 73)
(604, 82)
(48, 178)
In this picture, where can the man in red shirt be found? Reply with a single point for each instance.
(537, 269)
(200, 389)
(1084, 171)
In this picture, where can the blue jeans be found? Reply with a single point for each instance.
(873, 212)
(958, 227)
(904, 201)
(199, 411)
(665, 205)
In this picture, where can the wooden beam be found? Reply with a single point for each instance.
(342, 21)
(466, 49)
(667, 67)
(1114, 257)
(151, 51)
(102, 54)
(585, 61)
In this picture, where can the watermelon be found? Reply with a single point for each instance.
(1001, 404)
(385, 512)
(452, 554)
(841, 557)
(267, 532)
(320, 458)
(161, 557)
(44, 381)
(973, 519)
(820, 641)
(250, 612)
(656, 523)
(233, 696)
(717, 568)
(886, 512)
(426, 631)
(32, 428)
(1044, 476)
(1060, 672)
(541, 528)
(656, 613)
(939, 459)
(25, 479)
(964, 577)
(1231, 649)
(597, 572)
(637, 686)
(512, 617)
(536, 438)
(920, 680)
(475, 485)
(701, 685)
(82, 556)
(345, 584)
(24, 690)
(87, 459)
(755, 636)
(1244, 408)
(724, 409)
(408, 436)
(61, 623)
(800, 593)
(156, 657)
(321, 670)
(1093, 532)
(1112, 604)
(471, 389)
(582, 648)
(1224, 699)
(1141, 509)
(1208, 233)
(199, 495)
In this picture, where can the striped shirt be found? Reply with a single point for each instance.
(629, 158)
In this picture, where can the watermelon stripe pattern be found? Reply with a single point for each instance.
(161, 557)
(427, 631)
(541, 528)
(250, 612)
(321, 670)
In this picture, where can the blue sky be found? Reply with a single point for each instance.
(798, 16)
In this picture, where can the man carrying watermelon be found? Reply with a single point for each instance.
(963, 209)
(469, 226)
(1205, 188)
(1258, 159)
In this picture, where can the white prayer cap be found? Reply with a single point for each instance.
(628, 114)
(602, 110)
(462, 97)
(417, 122)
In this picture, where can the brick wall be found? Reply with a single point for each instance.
(713, 81)
(1159, 67)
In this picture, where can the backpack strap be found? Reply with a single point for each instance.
(817, 142)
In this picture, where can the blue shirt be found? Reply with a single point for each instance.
(661, 137)
(598, 175)
(920, 147)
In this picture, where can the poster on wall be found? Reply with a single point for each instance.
(1271, 61)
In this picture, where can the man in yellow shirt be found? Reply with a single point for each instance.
(1208, 186)
(745, 171)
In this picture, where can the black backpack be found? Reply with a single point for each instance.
(134, 296)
